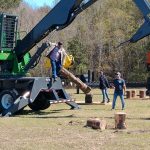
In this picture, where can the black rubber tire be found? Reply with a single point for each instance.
(11, 93)
(40, 103)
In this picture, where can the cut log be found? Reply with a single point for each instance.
(96, 123)
(128, 94)
(142, 94)
(89, 122)
(133, 93)
(88, 98)
(85, 88)
(120, 120)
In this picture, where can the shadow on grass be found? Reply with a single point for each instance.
(83, 103)
(94, 103)
(145, 118)
(79, 93)
(130, 118)
(135, 118)
(101, 94)
(31, 112)
(53, 117)
(41, 114)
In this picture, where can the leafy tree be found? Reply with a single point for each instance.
(6, 4)
(93, 36)
(77, 49)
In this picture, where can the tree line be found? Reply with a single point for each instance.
(93, 38)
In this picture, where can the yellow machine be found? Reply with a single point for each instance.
(68, 62)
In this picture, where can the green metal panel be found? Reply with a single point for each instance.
(8, 31)
(1, 31)
(18, 68)
(6, 56)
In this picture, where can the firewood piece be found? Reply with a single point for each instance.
(133, 93)
(128, 94)
(89, 122)
(120, 120)
(141, 94)
(88, 98)
(96, 123)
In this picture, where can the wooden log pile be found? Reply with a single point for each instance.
(132, 94)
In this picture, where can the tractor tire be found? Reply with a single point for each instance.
(7, 98)
(40, 103)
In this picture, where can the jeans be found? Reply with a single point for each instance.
(56, 66)
(121, 97)
(105, 94)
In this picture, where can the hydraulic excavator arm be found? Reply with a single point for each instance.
(144, 30)
(58, 18)
(37, 92)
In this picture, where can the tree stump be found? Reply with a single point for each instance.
(128, 94)
(88, 98)
(120, 120)
(96, 123)
(78, 90)
(89, 122)
(133, 93)
(141, 94)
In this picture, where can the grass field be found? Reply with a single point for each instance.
(59, 128)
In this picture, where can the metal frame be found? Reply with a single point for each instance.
(36, 86)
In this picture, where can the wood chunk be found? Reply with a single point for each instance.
(142, 94)
(96, 123)
(128, 94)
(133, 93)
(88, 98)
(120, 120)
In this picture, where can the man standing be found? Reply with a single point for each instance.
(103, 84)
(56, 56)
(120, 87)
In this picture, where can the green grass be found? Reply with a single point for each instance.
(51, 129)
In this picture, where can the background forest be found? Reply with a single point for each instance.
(93, 36)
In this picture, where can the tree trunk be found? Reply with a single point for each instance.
(64, 72)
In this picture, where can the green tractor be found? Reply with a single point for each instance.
(16, 89)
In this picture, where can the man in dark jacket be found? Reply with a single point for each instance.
(103, 85)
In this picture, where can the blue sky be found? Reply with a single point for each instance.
(40, 3)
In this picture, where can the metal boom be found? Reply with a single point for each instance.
(58, 18)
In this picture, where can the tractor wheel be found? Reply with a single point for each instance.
(40, 103)
(7, 98)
